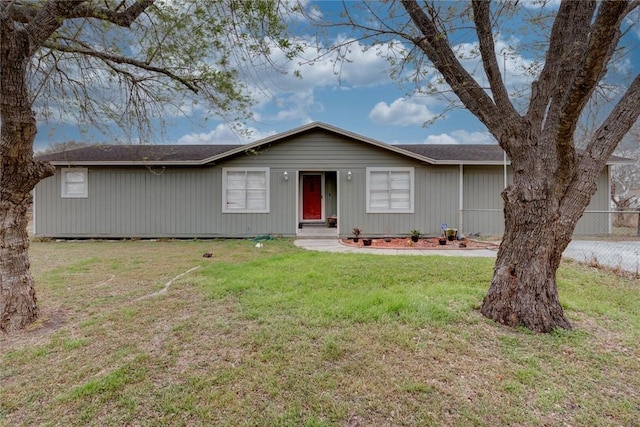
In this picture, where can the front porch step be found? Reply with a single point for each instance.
(318, 231)
(316, 237)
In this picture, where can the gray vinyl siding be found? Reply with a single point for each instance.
(331, 193)
(187, 202)
(595, 221)
(133, 203)
(139, 202)
(482, 204)
(436, 198)
(318, 152)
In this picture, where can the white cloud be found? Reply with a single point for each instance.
(297, 106)
(461, 137)
(538, 4)
(363, 65)
(293, 96)
(367, 65)
(225, 134)
(401, 112)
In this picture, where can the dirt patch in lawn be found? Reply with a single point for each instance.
(427, 243)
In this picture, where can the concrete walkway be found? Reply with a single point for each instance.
(623, 255)
(334, 245)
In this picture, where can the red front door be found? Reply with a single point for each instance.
(311, 197)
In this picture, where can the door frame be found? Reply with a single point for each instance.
(301, 197)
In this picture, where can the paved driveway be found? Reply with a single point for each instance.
(624, 255)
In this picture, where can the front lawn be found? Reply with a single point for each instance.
(152, 333)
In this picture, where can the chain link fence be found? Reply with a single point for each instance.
(601, 238)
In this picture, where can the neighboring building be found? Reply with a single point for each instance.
(310, 175)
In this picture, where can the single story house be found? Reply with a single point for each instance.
(316, 174)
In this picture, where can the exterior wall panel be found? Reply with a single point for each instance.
(130, 203)
(482, 202)
(595, 221)
(144, 202)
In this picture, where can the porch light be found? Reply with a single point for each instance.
(349, 175)
(285, 175)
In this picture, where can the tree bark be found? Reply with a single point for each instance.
(18, 306)
(19, 174)
(523, 289)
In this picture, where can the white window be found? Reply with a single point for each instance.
(245, 190)
(74, 183)
(390, 190)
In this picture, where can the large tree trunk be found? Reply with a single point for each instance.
(17, 295)
(19, 173)
(523, 290)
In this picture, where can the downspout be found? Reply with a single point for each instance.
(297, 203)
(609, 222)
(461, 200)
(338, 196)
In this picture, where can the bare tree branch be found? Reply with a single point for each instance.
(602, 145)
(52, 14)
(110, 58)
(482, 19)
(437, 48)
(120, 18)
(603, 38)
(569, 31)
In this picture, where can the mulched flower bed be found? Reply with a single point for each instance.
(427, 243)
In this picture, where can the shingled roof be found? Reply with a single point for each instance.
(153, 154)
(458, 153)
(453, 154)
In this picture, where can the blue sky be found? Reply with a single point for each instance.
(364, 100)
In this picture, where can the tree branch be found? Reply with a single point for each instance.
(624, 115)
(599, 47)
(53, 13)
(110, 58)
(436, 46)
(482, 19)
(47, 20)
(569, 32)
(601, 147)
(123, 19)
(603, 39)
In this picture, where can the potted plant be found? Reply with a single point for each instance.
(451, 233)
(367, 242)
(415, 235)
(442, 240)
(356, 234)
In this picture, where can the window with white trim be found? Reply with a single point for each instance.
(74, 183)
(245, 190)
(390, 190)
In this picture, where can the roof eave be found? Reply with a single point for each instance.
(69, 163)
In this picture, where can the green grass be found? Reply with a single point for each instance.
(282, 337)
